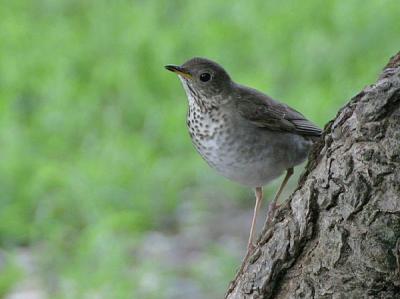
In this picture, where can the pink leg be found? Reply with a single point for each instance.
(274, 205)
(259, 197)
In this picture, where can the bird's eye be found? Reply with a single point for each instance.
(204, 77)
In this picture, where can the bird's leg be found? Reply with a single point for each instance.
(273, 204)
(259, 197)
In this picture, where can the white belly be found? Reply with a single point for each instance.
(250, 156)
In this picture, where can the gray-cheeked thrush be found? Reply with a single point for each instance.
(244, 134)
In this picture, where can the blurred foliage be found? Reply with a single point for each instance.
(94, 149)
(9, 275)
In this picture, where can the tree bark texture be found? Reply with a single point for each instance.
(338, 235)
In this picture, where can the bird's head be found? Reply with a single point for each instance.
(205, 81)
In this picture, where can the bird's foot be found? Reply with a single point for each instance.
(250, 248)
(273, 206)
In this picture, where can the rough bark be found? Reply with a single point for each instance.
(338, 235)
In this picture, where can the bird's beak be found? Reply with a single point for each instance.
(179, 70)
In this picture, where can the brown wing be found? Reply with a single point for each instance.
(267, 113)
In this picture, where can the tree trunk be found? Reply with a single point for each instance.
(338, 235)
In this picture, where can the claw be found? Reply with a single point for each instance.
(250, 247)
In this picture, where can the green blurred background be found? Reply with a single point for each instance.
(101, 192)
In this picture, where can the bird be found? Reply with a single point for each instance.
(242, 133)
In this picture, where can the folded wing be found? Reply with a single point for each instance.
(265, 112)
